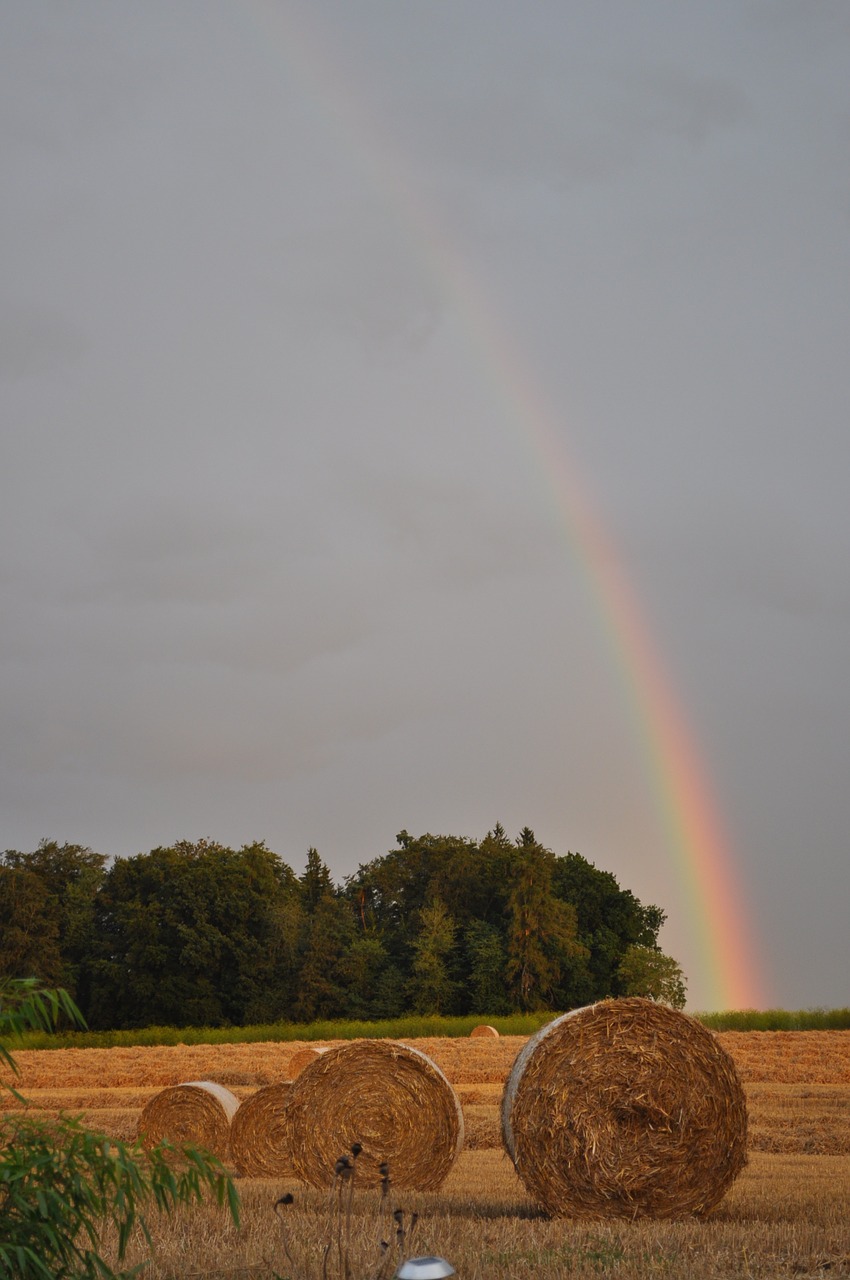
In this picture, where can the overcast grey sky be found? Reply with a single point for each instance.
(279, 556)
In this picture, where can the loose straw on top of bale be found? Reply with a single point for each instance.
(391, 1099)
(195, 1114)
(484, 1030)
(625, 1109)
(259, 1138)
(302, 1058)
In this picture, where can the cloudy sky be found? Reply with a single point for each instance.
(323, 328)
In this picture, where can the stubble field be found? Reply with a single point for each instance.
(787, 1215)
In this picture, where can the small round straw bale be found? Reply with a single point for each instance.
(625, 1109)
(485, 1031)
(259, 1141)
(302, 1058)
(197, 1114)
(391, 1099)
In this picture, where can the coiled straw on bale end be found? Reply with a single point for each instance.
(484, 1030)
(625, 1109)
(302, 1058)
(391, 1099)
(259, 1138)
(197, 1114)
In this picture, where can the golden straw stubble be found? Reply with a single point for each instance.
(625, 1109)
(259, 1136)
(391, 1099)
(196, 1114)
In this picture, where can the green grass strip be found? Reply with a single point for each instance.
(778, 1020)
(412, 1026)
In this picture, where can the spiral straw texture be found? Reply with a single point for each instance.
(625, 1109)
(259, 1136)
(391, 1099)
(196, 1114)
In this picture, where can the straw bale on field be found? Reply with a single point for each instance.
(484, 1031)
(302, 1058)
(628, 1109)
(259, 1138)
(391, 1099)
(198, 1114)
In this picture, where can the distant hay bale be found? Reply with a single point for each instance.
(391, 1099)
(302, 1058)
(484, 1030)
(259, 1138)
(196, 1114)
(625, 1109)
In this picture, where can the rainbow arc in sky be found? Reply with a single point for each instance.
(699, 850)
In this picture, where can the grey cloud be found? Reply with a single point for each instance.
(34, 342)
(445, 534)
(553, 102)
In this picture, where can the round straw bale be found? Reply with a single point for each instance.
(196, 1114)
(391, 1099)
(625, 1109)
(484, 1030)
(259, 1140)
(302, 1058)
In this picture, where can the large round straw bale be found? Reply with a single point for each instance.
(259, 1139)
(302, 1058)
(625, 1109)
(391, 1099)
(196, 1114)
(485, 1031)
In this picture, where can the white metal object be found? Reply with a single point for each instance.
(424, 1269)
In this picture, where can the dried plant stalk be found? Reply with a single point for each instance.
(197, 1114)
(484, 1030)
(625, 1109)
(386, 1096)
(259, 1139)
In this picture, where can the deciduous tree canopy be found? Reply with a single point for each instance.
(202, 934)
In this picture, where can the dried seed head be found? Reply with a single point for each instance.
(356, 1148)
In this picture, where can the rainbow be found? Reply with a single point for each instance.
(699, 849)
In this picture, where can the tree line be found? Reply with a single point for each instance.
(200, 934)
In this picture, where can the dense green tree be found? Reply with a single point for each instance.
(485, 967)
(432, 988)
(646, 971)
(316, 881)
(70, 875)
(545, 956)
(200, 933)
(374, 984)
(187, 935)
(29, 929)
(609, 920)
(325, 972)
(287, 933)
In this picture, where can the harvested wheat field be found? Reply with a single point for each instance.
(787, 1215)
